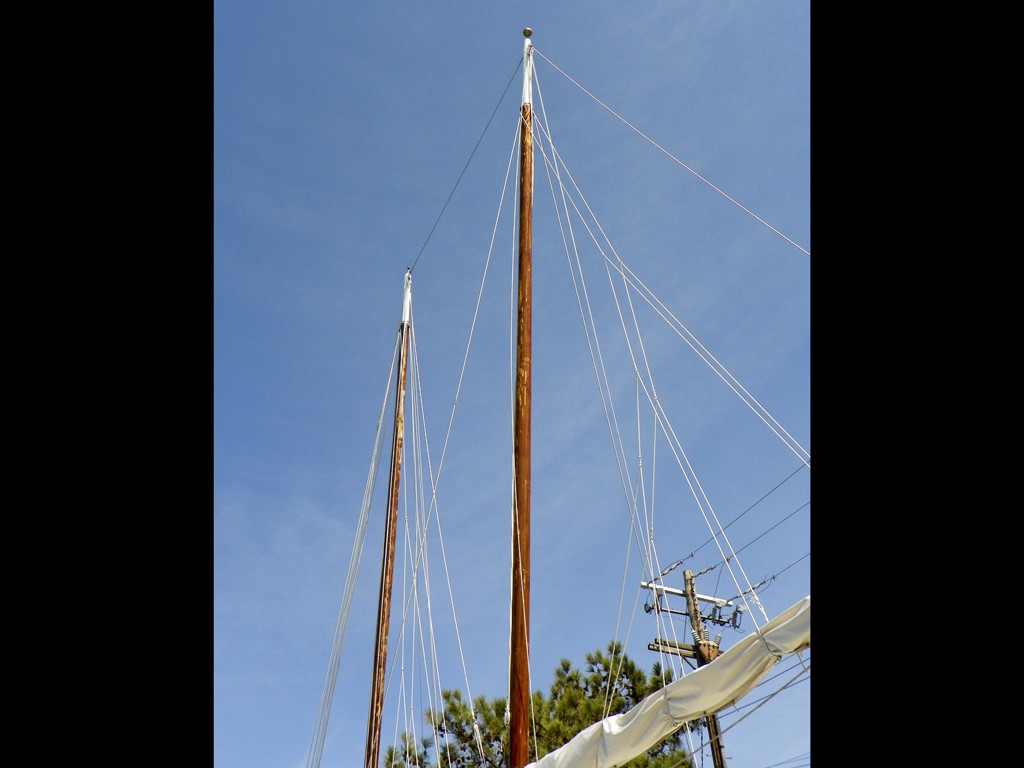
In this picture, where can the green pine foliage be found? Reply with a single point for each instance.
(609, 684)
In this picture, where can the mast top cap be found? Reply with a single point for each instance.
(527, 32)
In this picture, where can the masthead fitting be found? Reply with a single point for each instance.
(527, 67)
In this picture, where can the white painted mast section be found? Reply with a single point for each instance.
(407, 297)
(527, 68)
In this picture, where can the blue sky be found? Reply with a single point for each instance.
(339, 133)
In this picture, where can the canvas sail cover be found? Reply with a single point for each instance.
(731, 676)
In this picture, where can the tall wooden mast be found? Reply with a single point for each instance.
(519, 672)
(388, 557)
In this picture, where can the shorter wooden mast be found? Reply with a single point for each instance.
(388, 558)
(519, 670)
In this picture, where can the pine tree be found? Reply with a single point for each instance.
(610, 684)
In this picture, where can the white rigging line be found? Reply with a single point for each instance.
(593, 342)
(586, 313)
(408, 719)
(803, 673)
(420, 555)
(448, 582)
(681, 330)
(716, 528)
(720, 370)
(417, 556)
(645, 544)
(430, 660)
(589, 324)
(673, 157)
(435, 480)
(316, 744)
(511, 410)
(689, 472)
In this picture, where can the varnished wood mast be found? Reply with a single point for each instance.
(388, 558)
(519, 672)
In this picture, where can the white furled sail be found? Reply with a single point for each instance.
(727, 679)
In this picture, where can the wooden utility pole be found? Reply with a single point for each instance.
(706, 651)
